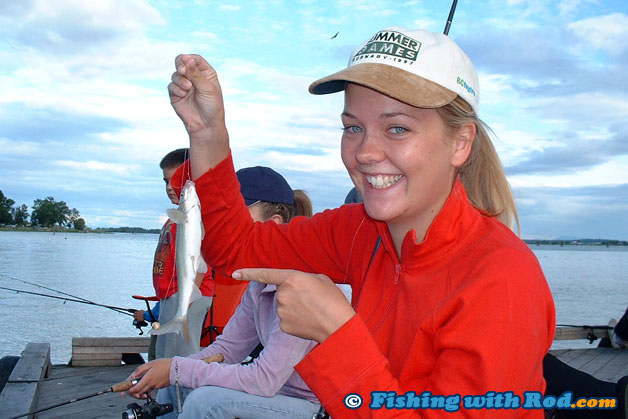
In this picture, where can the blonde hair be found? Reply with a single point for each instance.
(302, 206)
(482, 174)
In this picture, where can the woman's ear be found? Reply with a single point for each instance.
(277, 218)
(463, 142)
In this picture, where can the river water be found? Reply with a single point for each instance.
(589, 285)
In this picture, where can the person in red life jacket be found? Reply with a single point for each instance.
(446, 299)
(165, 278)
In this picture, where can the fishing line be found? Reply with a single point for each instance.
(126, 311)
(116, 388)
(84, 300)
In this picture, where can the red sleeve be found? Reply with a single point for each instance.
(309, 245)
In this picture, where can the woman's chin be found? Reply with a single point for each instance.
(379, 212)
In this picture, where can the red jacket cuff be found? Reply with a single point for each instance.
(332, 368)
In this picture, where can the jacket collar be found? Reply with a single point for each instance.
(449, 231)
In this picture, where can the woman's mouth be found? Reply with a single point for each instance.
(383, 181)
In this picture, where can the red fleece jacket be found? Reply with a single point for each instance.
(466, 312)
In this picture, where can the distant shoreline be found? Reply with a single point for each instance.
(109, 230)
(140, 230)
(577, 242)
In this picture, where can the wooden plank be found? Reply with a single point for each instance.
(598, 361)
(66, 372)
(582, 358)
(22, 388)
(33, 364)
(66, 383)
(111, 341)
(616, 367)
(97, 362)
(576, 333)
(569, 356)
(109, 349)
(605, 364)
(76, 357)
(18, 398)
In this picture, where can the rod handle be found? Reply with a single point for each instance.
(215, 358)
(123, 386)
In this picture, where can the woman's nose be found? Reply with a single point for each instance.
(370, 149)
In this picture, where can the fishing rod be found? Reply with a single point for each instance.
(584, 326)
(116, 388)
(451, 17)
(77, 299)
(126, 311)
(84, 300)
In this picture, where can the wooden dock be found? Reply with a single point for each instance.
(35, 383)
(96, 366)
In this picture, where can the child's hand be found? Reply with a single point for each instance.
(155, 374)
(139, 315)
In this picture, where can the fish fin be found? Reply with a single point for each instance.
(173, 326)
(176, 215)
(201, 265)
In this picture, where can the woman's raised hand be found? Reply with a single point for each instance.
(309, 306)
(196, 97)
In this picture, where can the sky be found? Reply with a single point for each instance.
(85, 115)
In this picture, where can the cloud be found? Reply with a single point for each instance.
(229, 8)
(65, 25)
(584, 212)
(98, 166)
(607, 33)
(22, 122)
(574, 151)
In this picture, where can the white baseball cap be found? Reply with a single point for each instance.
(421, 68)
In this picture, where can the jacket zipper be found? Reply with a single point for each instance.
(397, 272)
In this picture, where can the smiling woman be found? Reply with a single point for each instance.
(430, 267)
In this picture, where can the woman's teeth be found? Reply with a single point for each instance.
(382, 181)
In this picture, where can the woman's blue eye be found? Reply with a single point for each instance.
(352, 129)
(398, 130)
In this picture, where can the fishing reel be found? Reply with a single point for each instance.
(150, 409)
(139, 325)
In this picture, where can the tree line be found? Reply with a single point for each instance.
(46, 213)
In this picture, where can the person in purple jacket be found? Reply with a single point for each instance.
(268, 387)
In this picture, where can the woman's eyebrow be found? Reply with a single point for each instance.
(393, 114)
(348, 115)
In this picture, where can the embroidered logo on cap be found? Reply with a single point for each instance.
(464, 84)
(391, 44)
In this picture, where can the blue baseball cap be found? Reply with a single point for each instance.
(353, 197)
(261, 183)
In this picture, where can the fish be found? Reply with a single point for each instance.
(188, 259)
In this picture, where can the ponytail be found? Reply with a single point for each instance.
(302, 206)
(482, 174)
(302, 203)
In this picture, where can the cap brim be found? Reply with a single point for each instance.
(391, 81)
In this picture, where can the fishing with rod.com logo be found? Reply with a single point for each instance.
(492, 400)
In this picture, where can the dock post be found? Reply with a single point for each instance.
(21, 390)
